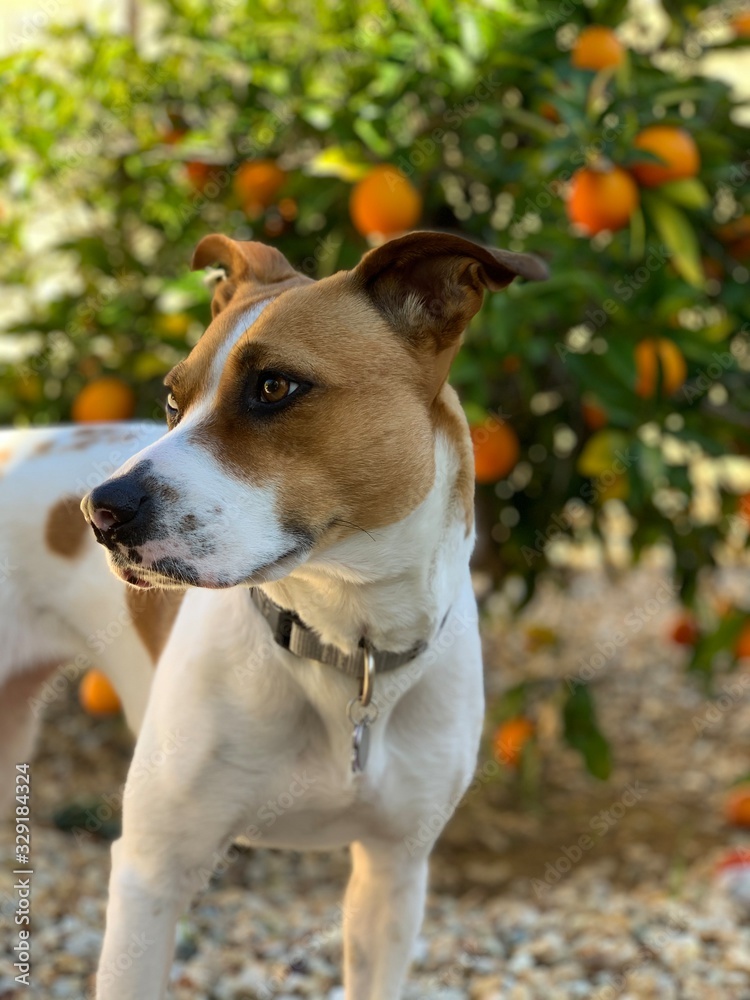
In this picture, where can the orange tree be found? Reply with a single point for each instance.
(541, 126)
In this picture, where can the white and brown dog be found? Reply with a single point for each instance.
(296, 554)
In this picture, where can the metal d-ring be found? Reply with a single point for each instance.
(368, 678)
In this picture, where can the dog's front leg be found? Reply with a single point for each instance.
(383, 912)
(142, 912)
(178, 810)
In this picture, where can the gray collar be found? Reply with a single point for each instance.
(291, 633)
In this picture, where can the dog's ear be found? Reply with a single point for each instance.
(243, 262)
(429, 285)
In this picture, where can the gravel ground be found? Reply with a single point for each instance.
(561, 887)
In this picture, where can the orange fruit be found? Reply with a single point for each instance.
(675, 146)
(549, 111)
(743, 507)
(385, 202)
(594, 415)
(737, 806)
(597, 48)
(173, 135)
(612, 487)
(510, 739)
(742, 645)
(97, 695)
(173, 324)
(735, 235)
(496, 450)
(256, 184)
(741, 24)
(656, 353)
(601, 199)
(685, 631)
(106, 398)
(202, 174)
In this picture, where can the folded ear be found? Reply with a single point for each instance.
(244, 262)
(429, 285)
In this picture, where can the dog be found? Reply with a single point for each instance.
(294, 554)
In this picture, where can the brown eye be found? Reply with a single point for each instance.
(274, 388)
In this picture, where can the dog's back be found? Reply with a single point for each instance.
(59, 604)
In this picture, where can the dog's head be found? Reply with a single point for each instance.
(307, 411)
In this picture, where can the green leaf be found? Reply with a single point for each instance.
(689, 193)
(679, 236)
(711, 644)
(583, 734)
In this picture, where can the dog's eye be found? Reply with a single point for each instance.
(173, 409)
(274, 388)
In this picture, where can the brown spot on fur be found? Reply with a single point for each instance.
(66, 529)
(18, 724)
(44, 447)
(450, 420)
(153, 613)
(359, 446)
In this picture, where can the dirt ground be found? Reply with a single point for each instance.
(554, 888)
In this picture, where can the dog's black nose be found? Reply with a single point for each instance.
(117, 509)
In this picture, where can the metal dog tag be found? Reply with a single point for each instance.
(360, 746)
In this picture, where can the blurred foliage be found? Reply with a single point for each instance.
(479, 105)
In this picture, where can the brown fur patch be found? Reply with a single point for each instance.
(17, 722)
(373, 347)
(450, 420)
(153, 613)
(66, 528)
(44, 447)
(358, 448)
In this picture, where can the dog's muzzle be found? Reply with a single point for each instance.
(119, 511)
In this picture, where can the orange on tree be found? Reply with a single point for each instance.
(173, 324)
(510, 738)
(97, 695)
(106, 398)
(742, 645)
(674, 146)
(256, 184)
(735, 236)
(201, 174)
(743, 507)
(737, 806)
(594, 415)
(496, 449)
(385, 202)
(597, 47)
(685, 631)
(601, 198)
(741, 24)
(652, 355)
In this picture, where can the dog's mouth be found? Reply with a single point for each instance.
(171, 574)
